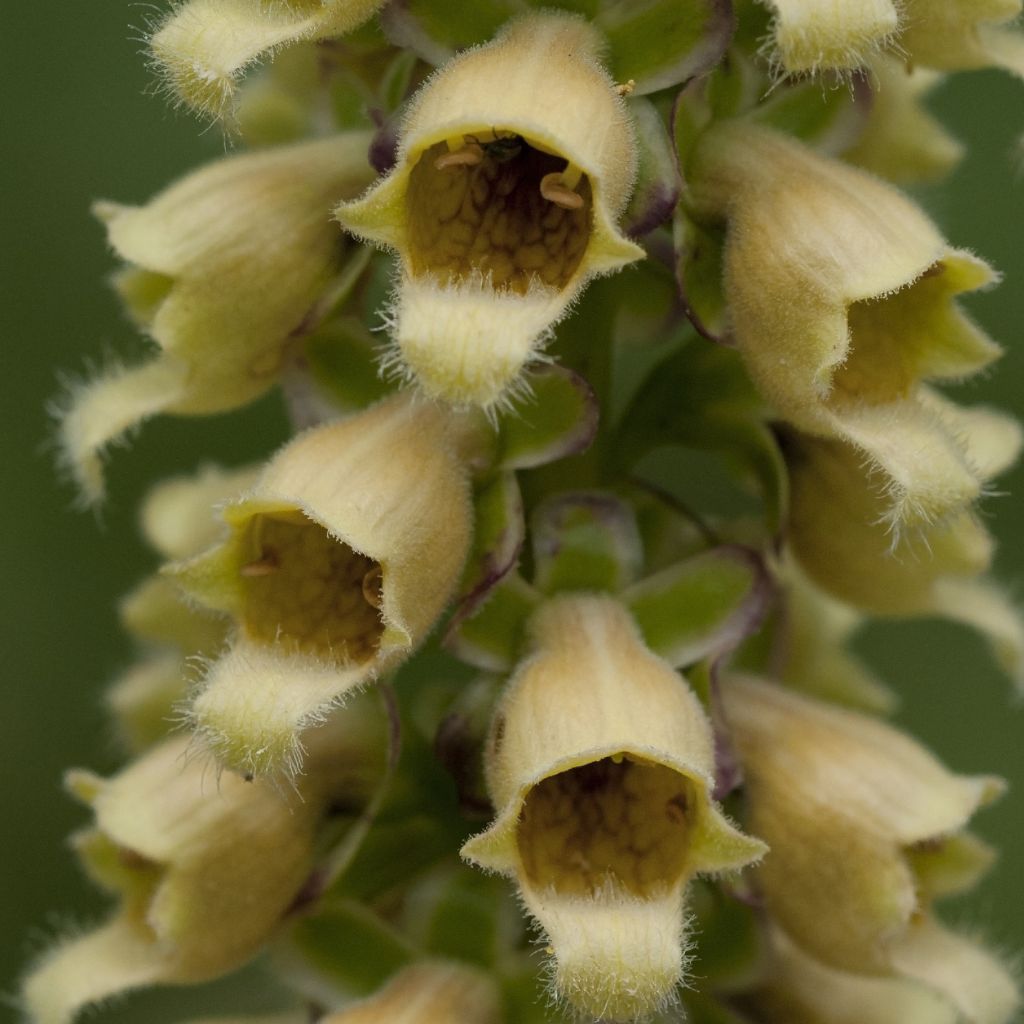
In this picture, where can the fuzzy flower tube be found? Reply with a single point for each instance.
(476, 661)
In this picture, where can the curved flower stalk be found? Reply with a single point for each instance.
(428, 992)
(205, 870)
(838, 534)
(841, 297)
(223, 268)
(864, 829)
(600, 764)
(514, 162)
(203, 47)
(179, 520)
(338, 563)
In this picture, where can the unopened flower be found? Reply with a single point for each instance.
(205, 869)
(179, 520)
(223, 267)
(338, 563)
(841, 301)
(203, 47)
(430, 992)
(515, 160)
(600, 764)
(864, 828)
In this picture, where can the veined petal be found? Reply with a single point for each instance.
(515, 161)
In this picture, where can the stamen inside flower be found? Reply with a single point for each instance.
(493, 206)
(309, 591)
(618, 820)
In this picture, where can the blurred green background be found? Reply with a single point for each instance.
(79, 124)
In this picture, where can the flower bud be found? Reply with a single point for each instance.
(430, 992)
(841, 299)
(600, 764)
(846, 804)
(223, 267)
(514, 162)
(338, 563)
(203, 47)
(205, 869)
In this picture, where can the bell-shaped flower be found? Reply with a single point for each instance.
(338, 562)
(223, 269)
(840, 294)
(179, 520)
(958, 35)
(205, 869)
(838, 533)
(428, 992)
(864, 827)
(514, 162)
(600, 765)
(203, 47)
(796, 987)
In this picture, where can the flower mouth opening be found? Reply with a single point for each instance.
(492, 206)
(309, 591)
(619, 821)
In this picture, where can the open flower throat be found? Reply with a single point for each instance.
(618, 820)
(494, 205)
(308, 591)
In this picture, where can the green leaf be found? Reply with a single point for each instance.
(491, 638)
(342, 356)
(700, 397)
(585, 541)
(699, 249)
(701, 607)
(348, 948)
(557, 420)
(660, 43)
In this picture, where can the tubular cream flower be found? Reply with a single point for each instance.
(430, 992)
(821, 35)
(957, 35)
(223, 268)
(864, 828)
(515, 160)
(179, 520)
(203, 47)
(841, 298)
(600, 764)
(205, 869)
(339, 561)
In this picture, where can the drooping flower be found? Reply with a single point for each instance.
(223, 268)
(514, 162)
(865, 828)
(205, 870)
(203, 47)
(841, 299)
(600, 764)
(338, 562)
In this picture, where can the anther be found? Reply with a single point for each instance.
(468, 156)
(371, 586)
(265, 566)
(626, 88)
(555, 190)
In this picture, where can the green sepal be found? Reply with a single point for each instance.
(344, 947)
(668, 531)
(559, 419)
(657, 182)
(830, 119)
(730, 947)
(701, 607)
(499, 531)
(660, 43)
(462, 914)
(700, 397)
(343, 356)
(436, 31)
(491, 639)
(699, 253)
(585, 540)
